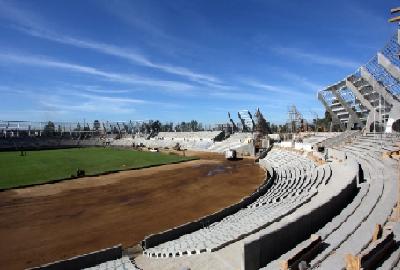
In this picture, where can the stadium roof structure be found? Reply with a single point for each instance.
(370, 97)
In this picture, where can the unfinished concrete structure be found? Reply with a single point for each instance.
(369, 98)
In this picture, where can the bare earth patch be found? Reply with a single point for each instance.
(52, 222)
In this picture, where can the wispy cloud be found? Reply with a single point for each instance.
(123, 53)
(86, 107)
(73, 100)
(98, 90)
(32, 25)
(116, 77)
(96, 103)
(316, 58)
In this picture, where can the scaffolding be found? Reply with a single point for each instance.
(295, 120)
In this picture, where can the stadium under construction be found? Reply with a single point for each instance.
(328, 199)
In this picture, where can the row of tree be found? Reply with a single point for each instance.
(155, 126)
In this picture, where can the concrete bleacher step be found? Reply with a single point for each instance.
(293, 175)
(378, 213)
(346, 230)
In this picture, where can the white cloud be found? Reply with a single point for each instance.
(117, 77)
(32, 25)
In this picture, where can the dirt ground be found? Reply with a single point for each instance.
(51, 222)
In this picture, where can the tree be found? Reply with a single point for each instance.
(49, 129)
(156, 126)
(194, 125)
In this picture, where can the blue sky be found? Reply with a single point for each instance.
(180, 60)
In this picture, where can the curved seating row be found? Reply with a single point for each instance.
(350, 231)
(198, 135)
(262, 251)
(376, 207)
(296, 181)
(201, 141)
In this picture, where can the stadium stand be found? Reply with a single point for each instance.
(40, 143)
(325, 216)
(189, 140)
(235, 141)
(295, 181)
(349, 231)
(200, 141)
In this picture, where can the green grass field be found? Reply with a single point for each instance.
(43, 166)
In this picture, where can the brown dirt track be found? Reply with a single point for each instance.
(51, 222)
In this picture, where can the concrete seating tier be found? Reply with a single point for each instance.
(351, 230)
(199, 141)
(293, 231)
(295, 182)
(235, 141)
(354, 234)
(319, 137)
(199, 135)
(340, 139)
(32, 143)
(311, 140)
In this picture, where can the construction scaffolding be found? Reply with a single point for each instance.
(295, 120)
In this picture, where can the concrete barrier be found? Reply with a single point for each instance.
(85, 260)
